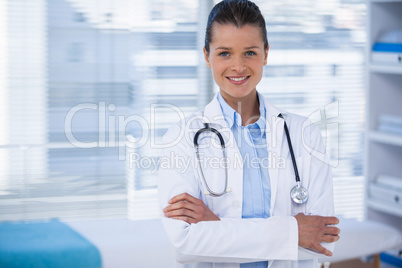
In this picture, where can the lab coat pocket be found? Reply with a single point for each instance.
(224, 205)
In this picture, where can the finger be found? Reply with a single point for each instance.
(186, 219)
(331, 220)
(182, 197)
(180, 212)
(330, 238)
(331, 230)
(180, 205)
(323, 250)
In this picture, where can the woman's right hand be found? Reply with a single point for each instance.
(314, 229)
(189, 209)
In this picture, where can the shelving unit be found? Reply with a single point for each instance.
(385, 138)
(386, 69)
(384, 96)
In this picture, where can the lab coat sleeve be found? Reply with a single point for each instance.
(321, 199)
(229, 240)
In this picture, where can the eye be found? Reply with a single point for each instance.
(250, 53)
(224, 54)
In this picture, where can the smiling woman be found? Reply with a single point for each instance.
(255, 220)
(237, 69)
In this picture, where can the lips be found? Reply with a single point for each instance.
(237, 80)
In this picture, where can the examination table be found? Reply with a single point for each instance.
(125, 243)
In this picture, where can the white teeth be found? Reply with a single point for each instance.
(237, 79)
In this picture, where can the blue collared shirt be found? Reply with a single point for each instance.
(252, 143)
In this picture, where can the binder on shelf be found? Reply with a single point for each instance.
(391, 124)
(387, 189)
(389, 181)
(390, 129)
(388, 49)
(391, 119)
(393, 257)
(387, 53)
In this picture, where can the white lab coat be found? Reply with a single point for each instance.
(234, 240)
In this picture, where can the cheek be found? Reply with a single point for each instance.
(217, 68)
(260, 65)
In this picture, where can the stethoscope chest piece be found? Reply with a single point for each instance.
(299, 194)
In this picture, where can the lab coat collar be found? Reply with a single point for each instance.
(213, 112)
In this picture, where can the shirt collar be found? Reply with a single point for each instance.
(232, 117)
(229, 113)
(261, 122)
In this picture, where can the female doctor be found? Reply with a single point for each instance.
(231, 205)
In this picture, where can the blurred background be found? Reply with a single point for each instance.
(81, 78)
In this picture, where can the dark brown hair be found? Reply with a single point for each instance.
(236, 12)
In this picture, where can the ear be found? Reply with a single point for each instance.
(266, 55)
(206, 56)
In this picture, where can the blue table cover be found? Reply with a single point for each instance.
(45, 244)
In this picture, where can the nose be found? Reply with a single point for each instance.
(238, 64)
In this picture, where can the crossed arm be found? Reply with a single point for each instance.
(189, 239)
(312, 230)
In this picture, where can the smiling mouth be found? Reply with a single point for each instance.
(238, 79)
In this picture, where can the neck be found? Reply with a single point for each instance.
(248, 107)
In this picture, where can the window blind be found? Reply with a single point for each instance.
(89, 88)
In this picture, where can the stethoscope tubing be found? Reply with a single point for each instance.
(207, 128)
(217, 133)
(291, 151)
(294, 192)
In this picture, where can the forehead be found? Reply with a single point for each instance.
(231, 35)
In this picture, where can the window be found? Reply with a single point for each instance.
(79, 17)
(97, 74)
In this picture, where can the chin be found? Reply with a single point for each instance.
(239, 93)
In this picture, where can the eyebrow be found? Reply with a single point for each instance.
(253, 47)
(228, 48)
(224, 48)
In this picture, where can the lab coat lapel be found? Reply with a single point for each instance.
(274, 135)
(213, 114)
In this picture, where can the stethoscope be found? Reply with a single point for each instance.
(298, 194)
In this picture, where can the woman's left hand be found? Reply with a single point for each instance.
(189, 209)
